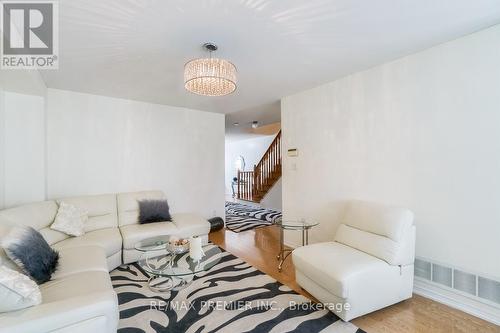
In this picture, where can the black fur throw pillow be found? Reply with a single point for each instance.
(31, 252)
(153, 211)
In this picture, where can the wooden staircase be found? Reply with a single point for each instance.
(254, 185)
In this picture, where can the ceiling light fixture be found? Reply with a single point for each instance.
(236, 123)
(255, 124)
(210, 76)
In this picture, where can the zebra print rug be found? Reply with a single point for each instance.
(241, 217)
(231, 297)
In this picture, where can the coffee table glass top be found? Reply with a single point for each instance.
(296, 225)
(152, 244)
(171, 265)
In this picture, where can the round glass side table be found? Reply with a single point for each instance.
(302, 226)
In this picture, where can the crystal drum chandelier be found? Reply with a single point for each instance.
(210, 76)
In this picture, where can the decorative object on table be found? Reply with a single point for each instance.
(70, 220)
(151, 211)
(178, 246)
(302, 226)
(17, 291)
(230, 279)
(196, 249)
(31, 252)
(216, 223)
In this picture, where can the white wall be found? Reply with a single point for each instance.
(24, 149)
(100, 144)
(421, 132)
(274, 198)
(22, 133)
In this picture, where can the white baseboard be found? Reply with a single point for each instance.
(456, 300)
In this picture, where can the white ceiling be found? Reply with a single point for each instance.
(136, 49)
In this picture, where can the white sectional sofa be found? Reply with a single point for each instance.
(80, 297)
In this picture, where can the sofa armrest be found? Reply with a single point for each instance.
(58, 315)
(191, 224)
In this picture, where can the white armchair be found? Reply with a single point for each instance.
(368, 266)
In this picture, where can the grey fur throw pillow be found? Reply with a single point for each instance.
(31, 252)
(153, 211)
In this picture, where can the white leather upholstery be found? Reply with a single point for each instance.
(39, 215)
(367, 296)
(349, 266)
(101, 210)
(109, 239)
(80, 297)
(368, 266)
(394, 253)
(190, 225)
(76, 300)
(128, 207)
(134, 233)
(388, 221)
(73, 260)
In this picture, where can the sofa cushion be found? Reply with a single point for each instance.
(70, 219)
(387, 221)
(128, 205)
(75, 285)
(135, 233)
(190, 224)
(30, 251)
(39, 215)
(83, 302)
(109, 239)
(151, 211)
(17, 291)
(337, 267)
(101, 210)
(73, 260)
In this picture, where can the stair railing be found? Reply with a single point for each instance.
(254, 185)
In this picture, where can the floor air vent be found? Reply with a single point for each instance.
(465, 282)
(442, 275)
(423, 269)
(489, 289)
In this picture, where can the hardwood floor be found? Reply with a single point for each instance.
(260, 246)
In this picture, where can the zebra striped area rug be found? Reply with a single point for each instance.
(241, 217)
(231, 297)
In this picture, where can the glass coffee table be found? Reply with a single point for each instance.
(302, 226)
(172, 271)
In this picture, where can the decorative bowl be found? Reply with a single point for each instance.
(178, 246)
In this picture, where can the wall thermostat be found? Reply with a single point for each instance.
(293, 152)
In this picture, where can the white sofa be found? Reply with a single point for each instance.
(367, 266)
(80, 297)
